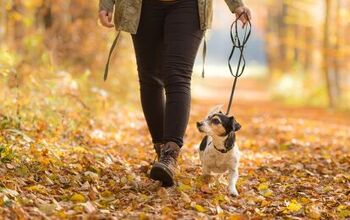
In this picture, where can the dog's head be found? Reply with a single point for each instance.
(218, 124)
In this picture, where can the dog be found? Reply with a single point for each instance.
(218, 150)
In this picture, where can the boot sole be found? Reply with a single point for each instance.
(161, 173)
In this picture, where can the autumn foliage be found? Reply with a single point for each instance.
(73, 146)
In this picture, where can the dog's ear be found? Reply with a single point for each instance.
(230, 140)
(235, 125)
(215, 110)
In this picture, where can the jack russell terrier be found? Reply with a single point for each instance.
(218, 151)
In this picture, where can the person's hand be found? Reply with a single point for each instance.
(106, 18)
(244, 18)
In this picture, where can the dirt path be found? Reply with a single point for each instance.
(295, 164)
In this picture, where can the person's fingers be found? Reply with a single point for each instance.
(102, 16)
(106, 19)
(109, 14)
(103, 13)
(246, 17)
(109, 19)
(243, 20)
(249, 14)
(240, 14)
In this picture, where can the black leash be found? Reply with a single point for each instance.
(114, 44)
(239, 44)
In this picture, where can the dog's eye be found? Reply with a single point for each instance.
(215, 121)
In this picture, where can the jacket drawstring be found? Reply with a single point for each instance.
(204, 54)
(110, 55)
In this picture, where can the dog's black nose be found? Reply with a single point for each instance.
(199, 124)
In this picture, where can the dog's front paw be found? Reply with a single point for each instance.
(233, 192)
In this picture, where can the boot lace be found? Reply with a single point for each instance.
(167, 155)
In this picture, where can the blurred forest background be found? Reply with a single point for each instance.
(300, 48)
(65, 135)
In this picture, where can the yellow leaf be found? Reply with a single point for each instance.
(263, 186)
(166, 210)
(294, 206)
(218, 198)
(184, 187)
(37, 188)
(77, 198)
(264, 189)
(343, 211)
(199, 208)
(107, 194)
(305, 200)
(267, 193)
(62, 214)
(80, 150)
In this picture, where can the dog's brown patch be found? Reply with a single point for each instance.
(218, 129)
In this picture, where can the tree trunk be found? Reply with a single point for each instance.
(326, 60)
(18, 27)
(337, 58)
(2, 21)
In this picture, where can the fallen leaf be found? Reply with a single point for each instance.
(293, 206)
(343, 211)
(89, 207)
(263, 186)
(48, 209)
(184, 187)
(199, 208)
(77, 198)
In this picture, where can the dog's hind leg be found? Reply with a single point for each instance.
(233, 178)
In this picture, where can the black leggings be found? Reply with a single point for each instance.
(166, 45)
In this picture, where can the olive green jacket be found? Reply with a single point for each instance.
(127, 12)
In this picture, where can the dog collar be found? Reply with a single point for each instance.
(223, 151)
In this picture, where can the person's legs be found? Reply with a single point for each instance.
(148, 49)
(182, 37)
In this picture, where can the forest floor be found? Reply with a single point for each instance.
(295, 163)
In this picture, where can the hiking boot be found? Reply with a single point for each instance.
(157, 147)
(164, 169)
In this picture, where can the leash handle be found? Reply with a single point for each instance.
(239, 44)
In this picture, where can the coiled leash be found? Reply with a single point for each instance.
(238, 44)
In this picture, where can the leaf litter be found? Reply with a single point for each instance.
(293, 166)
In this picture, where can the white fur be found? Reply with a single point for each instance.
(214, 161)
